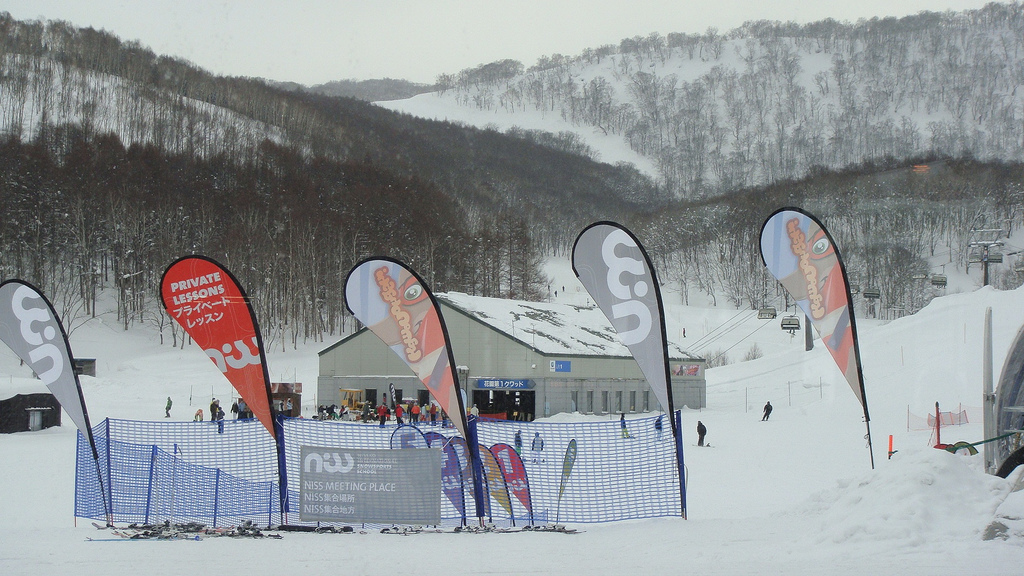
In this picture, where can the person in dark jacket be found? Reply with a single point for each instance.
(767, 411)
(701, 432)
(167, 408)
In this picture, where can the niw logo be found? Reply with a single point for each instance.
(328, 462)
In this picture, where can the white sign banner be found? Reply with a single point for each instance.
(362, 485)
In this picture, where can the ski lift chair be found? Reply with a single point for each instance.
(791, 323)
(766, 313)
(939, 280)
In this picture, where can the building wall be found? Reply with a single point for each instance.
(363, 361)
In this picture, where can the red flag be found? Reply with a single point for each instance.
(515, 474)
(208, 302)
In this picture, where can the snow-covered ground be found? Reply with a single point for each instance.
(795, 495)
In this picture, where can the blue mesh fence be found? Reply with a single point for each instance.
(193, 471)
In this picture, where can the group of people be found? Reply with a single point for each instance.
(410, 413)
(332, 412)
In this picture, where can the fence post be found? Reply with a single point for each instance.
(270, 505)
(110, 472)
(216, 496)
(149, 489)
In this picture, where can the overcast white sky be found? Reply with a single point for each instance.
(316, 41)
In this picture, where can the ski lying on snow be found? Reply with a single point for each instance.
(488, 529)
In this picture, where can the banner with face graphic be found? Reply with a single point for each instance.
(31, 328)
(801, 254)
(396, 305)
(207, 301)
(803, 257)
(614, 268)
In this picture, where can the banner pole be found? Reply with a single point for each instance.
(678, 421)
(282, 470)
(473, 445)
(871, 450)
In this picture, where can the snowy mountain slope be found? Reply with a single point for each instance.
(54, 94)
(766, 102)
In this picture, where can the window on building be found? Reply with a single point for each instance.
(647, 400)
(574, 398)
(604, 401)
(632, 400)
(618, 401)
(590, 401)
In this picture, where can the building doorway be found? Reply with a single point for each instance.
(505, 404)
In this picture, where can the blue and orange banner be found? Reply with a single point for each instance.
(452, 483)
(396, 305)
(801, 254)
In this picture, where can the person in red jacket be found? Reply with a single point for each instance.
(382, 414)
(398, 414)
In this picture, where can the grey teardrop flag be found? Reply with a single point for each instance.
(30, 327)
(615, 270)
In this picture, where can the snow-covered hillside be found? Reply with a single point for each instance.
(794, 495)
(712, 113)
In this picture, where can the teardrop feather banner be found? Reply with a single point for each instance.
(801, 254)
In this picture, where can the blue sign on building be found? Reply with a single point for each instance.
(503, 384)
(561, 366)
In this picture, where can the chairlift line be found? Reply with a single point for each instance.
(718, 332)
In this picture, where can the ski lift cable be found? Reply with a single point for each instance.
(722, 332)
(723, 328)
(700, 341)
(710, 360)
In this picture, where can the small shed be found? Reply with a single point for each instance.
(23, 412)
(85, 366)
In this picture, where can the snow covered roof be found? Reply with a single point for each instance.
(550, 328)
